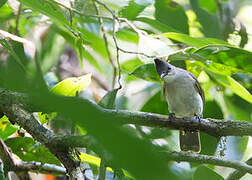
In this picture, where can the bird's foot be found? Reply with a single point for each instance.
(171, 116)
(198, 117)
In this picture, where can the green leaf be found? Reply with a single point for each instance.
(210, 5)
(72, 86)
(203, 172)
(132, 10)
(240, 109)
(6, 45)
(52, 54)
(231, 56)
(6, 128)
(156, 104)
(172, 14)
(2, 2)
(28, 150)
(45, 117)
(48, 8)
(147, 72)
(210, 23)
(127, 35)
(156, 24)
(108, 101)
(219, 58)
(233, 85)
(192, 41)
(97, 161)
(130, 65)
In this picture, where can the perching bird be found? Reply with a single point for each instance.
(185, 98)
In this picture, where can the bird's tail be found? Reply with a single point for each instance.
(189, 141)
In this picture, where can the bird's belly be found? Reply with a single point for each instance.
(184, 102)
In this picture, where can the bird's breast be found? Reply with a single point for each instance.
(183, 99)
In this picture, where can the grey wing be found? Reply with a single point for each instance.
(198, 87)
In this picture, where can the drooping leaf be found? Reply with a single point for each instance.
(203, 172)
(147, 72)
(209, 22)
(132, 10)
(108, 101)
(167, 11)
(28, 150)
(72, 86)
(232, 84)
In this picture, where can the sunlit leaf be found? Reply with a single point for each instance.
(130, 65)
(72, 86)
(6, 128)
(132, 10)
(96, 161)
(152, 47)
(28, 150)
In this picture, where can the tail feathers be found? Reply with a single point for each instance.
(190, 141)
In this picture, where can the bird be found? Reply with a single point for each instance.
(185, 98)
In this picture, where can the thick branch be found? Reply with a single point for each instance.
(212, 127)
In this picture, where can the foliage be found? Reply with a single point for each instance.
(115, 42)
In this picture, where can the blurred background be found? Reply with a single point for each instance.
(70, 40)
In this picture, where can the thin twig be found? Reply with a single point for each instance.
(117, 54)
(17, 18)
(106, 43)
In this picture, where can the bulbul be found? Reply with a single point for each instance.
(185, 98)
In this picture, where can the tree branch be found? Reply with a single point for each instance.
(213, 127)
(12, 164)
(237, 174)
(17, 114)
(89, 142)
